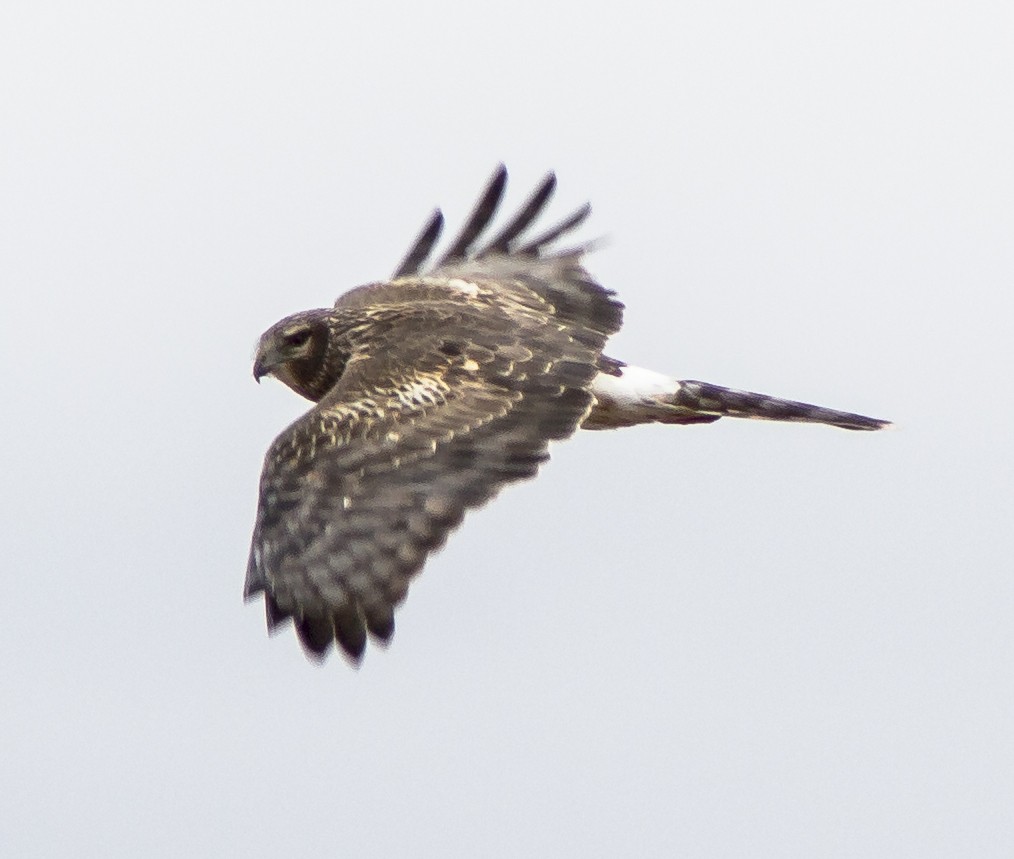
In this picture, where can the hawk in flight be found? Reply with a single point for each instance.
(433, 390)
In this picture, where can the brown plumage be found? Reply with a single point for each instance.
(431, 392)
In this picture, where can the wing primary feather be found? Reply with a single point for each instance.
(423, 246)
(275, 615)
(571, 222)
(380, 620)
(523, 219)
(316, 635)
(350, 630)
(481, 215)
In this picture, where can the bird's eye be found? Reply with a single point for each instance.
(298, 337)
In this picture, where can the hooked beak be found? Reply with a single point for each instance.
(265, 363)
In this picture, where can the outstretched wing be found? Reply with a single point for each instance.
(459, 381)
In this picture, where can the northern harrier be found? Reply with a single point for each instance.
(432, 391)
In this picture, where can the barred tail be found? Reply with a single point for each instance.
(626, 396)
(705, 398)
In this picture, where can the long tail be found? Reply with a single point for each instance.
(716, 400)
(625, 396)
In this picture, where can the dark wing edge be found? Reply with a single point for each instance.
(482, 215)
(423, 246)
(505, 242)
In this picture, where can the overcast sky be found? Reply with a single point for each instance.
(740, 639)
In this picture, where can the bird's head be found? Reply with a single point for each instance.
(295, 351)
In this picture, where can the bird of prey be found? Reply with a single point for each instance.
(433, 390)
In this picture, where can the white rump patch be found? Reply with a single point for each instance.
(634, 386)
(636, 396)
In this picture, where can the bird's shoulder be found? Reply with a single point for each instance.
(498, 286)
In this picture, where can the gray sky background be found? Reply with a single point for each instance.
(730, 640)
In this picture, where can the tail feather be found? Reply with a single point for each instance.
(626, 396)
(703, 397)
